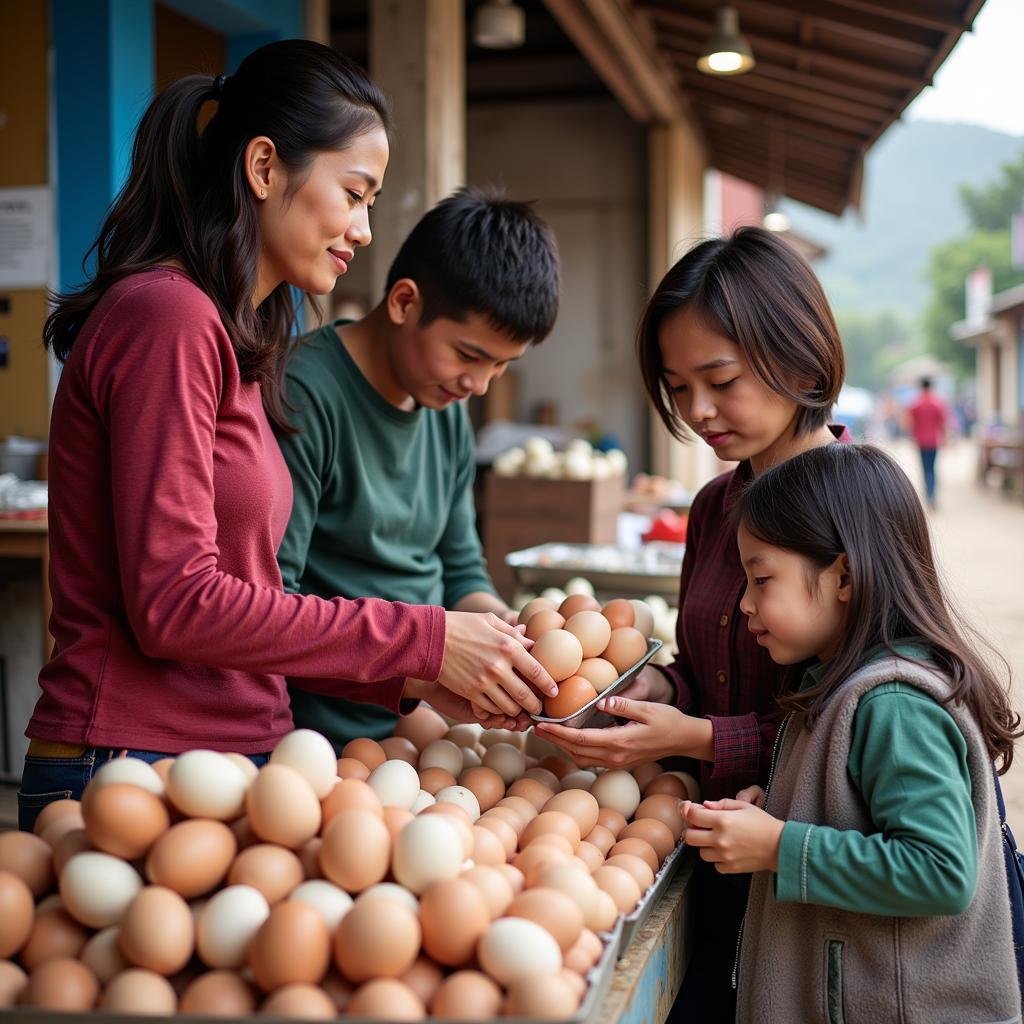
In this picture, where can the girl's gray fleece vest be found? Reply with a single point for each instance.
(801, 963)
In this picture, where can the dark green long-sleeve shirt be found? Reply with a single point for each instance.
(383, 507)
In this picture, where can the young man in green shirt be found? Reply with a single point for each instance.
(382, 462)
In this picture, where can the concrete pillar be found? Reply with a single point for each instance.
(418, 57)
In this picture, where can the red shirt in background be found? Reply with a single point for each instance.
(928, 419)
(168, 500)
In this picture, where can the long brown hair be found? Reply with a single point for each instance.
(186, 196)
(855, 500)
(755, 289)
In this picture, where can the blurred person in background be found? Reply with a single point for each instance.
(928, 419)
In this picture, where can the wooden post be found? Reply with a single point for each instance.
(418, 57)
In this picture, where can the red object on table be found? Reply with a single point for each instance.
(667, 525)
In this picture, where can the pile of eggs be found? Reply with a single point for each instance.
(585, 647)
(442, 871)
(580, 461)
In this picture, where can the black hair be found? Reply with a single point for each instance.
(754, 288)
(186, 197)
(479, 252)
(854, 500)
(926, 383)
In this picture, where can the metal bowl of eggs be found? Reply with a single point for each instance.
(578, 695)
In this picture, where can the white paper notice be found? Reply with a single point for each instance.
(25, 234)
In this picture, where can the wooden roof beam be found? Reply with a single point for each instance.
(910, 11)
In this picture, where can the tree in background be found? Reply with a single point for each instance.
(990, 208)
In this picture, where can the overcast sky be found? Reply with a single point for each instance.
(982, 80)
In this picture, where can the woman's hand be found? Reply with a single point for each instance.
(450, 704)
(751, 795)
(487, 660)
(652, 685)
(736, 836)
(654, 731)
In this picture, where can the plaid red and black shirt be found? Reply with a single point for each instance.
(721, 672)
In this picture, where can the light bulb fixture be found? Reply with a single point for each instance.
(499, 25)
(776, 220)
(726, 52)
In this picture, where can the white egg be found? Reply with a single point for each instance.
(205, 784)
(396, 783)
(97, 887)
(461, 797)
(131, 770)
(389, 891)
(508, 761)
(554, 594)
(226, 925)
(470, 758)
(330, 901)
(579, 585)
(644, 617)
(442, 754)
(579, 779)
(656, 603)
(538, 447)
(617, 790)
(513, 947)
(616, 458)
(103, 956)
(424, 799)
(312, 756)
(465, 734)
(427, 850)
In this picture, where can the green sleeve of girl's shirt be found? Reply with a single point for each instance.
(909, 760)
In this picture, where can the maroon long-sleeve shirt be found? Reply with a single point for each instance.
(168, 500)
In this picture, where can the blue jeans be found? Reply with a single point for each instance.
(48, 779)
(928, 465)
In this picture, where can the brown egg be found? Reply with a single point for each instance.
(61, 984)
(302, 1002)
(580, 805)
(398, 748)
(494, 886)
(356, 850)
(192, 857)
(512, 818)
(651, 831)
(611, 819)
(125, 820)
(55, 934)
(422, 726)
(157, 931)
(576, 884)
(75, 841)
(433, 780)
(645, 773)
(59, 828)
(487, 847)
(553, 839)
(218, 994)
(619, 613)
(574, 983)
(387, 999)
(339, 989)
(553, 910)
(592, 630)
(351, 768)
(395, 819)
(309, 857)
(504, 832)
(291, 946)
(453, 915)
(513, 876)
(600, 837)
(620, 885)
(529, 789)
(12, 983)
(606, 912)
(282, 806)
(551, 821)
(559, 652)
(244, 835)
(348, 794)
(370, 752)
(424, 978)
(535, 860)
(626, 647)
(485, 784)
(532, 607)
(637, 848)
(540, 997)
(271, 869)
(543, 622)
(558, 765)
(140, 992)
(522, 807)
(637, 867)
(466, 995)
(376, 939)
(598, 672)
(30, 858)
(544, 777)
(58, 809)
(17, 913)
(245, 764)
(578, 603)
(573, 694)
(591, 856)
(666, 783)
(163, 768)
(666, 809)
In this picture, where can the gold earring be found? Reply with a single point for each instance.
(263, 194)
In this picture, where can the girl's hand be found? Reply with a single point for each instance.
(751, 795)
(737, 837)
(650, 684)
(448, 703)
(654, 731)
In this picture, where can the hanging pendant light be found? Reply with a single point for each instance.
(499, 25)
(726, 52)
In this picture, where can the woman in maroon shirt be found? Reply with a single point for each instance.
(169, 495)
(738, 346)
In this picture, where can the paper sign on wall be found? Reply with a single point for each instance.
(25, 234)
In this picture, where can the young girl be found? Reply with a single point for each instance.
(169, 494)
(737, 346)
(880, 890)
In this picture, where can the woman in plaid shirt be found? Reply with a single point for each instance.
(738, 346)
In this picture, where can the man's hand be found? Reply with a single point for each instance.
(737, 837)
